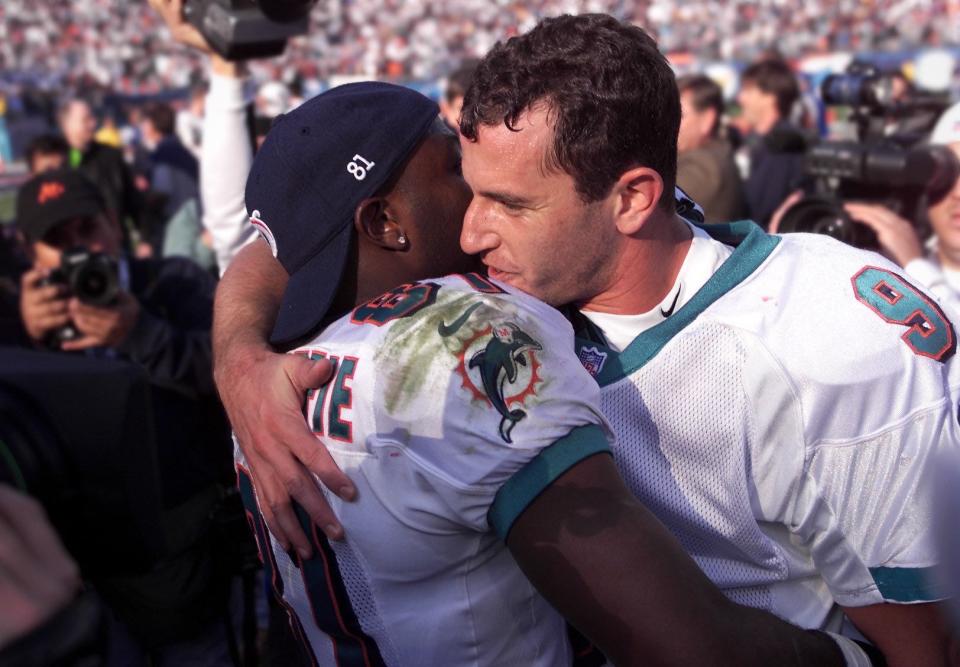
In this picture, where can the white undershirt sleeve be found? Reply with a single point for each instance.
(225, 161)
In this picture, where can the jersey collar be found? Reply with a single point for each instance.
(752, 246)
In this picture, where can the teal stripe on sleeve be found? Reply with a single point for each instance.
(530, 481)
(906, 584)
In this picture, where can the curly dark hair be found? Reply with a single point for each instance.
(610, 93)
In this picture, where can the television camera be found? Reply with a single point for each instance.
(245, 29)
(888, 165)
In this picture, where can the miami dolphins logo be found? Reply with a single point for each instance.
(498, 365)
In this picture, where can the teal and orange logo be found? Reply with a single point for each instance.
(498, 365)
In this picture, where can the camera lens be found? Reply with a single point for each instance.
(95, 282)
(823, 215)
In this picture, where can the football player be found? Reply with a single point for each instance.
(777, 400)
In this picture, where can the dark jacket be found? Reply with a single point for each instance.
(776, 169)
(710, 176)
(105, 166)
(171, 341)
(175, 174)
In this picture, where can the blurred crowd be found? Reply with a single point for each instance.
(76, 43)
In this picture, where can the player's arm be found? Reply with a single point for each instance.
(615, 572)
(262, 392)
(914, 634)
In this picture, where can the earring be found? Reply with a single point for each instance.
(402, 240)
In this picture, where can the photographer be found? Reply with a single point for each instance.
(936, 266)
(158, 318)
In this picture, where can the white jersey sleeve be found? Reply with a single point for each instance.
(483, 395)
(873, 410)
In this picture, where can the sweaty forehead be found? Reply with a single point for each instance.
(522, 149)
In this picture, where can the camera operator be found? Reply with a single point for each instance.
(155, 314)
(935, 265)
(768, 91)
(227, 150)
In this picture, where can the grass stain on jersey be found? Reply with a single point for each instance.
(415, 361)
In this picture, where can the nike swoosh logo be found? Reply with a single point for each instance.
(446, 330)
(669, 311)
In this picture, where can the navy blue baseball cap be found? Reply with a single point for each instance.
(316, 165)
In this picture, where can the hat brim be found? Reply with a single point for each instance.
(311, 290)
(39, 228)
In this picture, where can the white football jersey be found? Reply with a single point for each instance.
(782, 423)
(455, 402)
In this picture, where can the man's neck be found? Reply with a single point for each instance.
(645, 270)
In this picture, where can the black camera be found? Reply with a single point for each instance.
(244, 29)
(894, 168)
(92, 277)
(860, 87)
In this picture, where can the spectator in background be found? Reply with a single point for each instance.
(48, 152)
(159, 321)
(768, 90)
(452, 100)
(705, 166)
(104, 166)
(174, 171)
(173, 174)
(936, 266)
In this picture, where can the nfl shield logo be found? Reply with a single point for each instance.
(593, 360)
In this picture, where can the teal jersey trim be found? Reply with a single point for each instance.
(752, 247)
(540, 472)
(906, 584)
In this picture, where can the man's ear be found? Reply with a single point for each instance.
(637, 193)
(375, 223)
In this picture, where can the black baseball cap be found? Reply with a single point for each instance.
(54, 197)
(316, 165)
